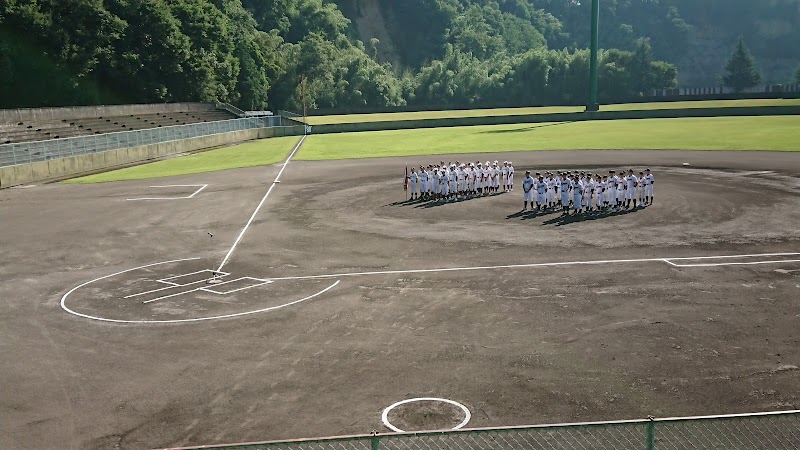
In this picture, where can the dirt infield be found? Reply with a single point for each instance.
(343, 299)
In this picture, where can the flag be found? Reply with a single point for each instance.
(405, 179)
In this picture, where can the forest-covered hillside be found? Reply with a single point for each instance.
(697, 35)
(377, 53)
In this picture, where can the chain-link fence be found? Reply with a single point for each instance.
(760, 431)
(27, 152)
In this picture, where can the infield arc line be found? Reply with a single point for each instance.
(261, 203)
(173, 321)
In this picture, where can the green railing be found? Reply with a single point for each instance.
(759, 431)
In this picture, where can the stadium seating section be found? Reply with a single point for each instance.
(65, 128)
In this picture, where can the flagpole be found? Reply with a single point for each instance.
(405, 182)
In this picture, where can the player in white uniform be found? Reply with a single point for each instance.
(423, 182)
(577, 195)
(487, 182)
(527, 190)
(462, 181)
(650, 181)
(477, 175)
(453, 183)
(631, 183)
(612, 189)
(621, 189)
(510, 176)
(443, 183)
(564, 185)
(640, 191)
(413, 179)
(504, 173)
(600, 192)
(588, 192)
(437, 183)
(551, 190)
(541, 194)
(496, 178)
(431, 188)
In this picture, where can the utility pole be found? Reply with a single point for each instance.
(303, 90)
(592, 105)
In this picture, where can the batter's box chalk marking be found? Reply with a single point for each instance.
(200, 186)
(248, 282)
(170, 286)
(193, 277)
(726, 260)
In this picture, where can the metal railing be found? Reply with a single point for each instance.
(231, 109)
(759, 431)
(290, 115)
(28, 152)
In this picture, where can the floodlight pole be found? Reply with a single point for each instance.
(593, 105)
(303, 91)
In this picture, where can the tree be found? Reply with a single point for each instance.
(797, 75)
(741, 69)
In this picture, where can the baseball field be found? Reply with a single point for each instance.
(297, 293)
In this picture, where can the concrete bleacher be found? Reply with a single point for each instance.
(61, 123)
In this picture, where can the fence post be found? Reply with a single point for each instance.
(651, 435)
(375, 440)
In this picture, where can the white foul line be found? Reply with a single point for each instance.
(549, 264)
(202, 186)
(247, 225)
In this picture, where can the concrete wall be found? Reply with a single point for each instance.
(562, 117)
(85, 112)
(76, 165)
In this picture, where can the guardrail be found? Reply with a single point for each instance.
(28, 152)
(758, 431)
(231, 109)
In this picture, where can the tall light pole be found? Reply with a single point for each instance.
(592, 105)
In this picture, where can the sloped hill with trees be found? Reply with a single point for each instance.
(369, 53)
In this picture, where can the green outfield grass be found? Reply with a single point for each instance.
(775, 133)
(419, 115)
(256, 153)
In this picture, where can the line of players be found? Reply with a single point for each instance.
(454, 181)
(584, 191)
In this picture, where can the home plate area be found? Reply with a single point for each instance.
(184, 291)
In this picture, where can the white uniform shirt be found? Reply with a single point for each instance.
(413, 177)
(527, 184)
(541, 187)
(423, 176)
(565, 184)
(632, 181)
